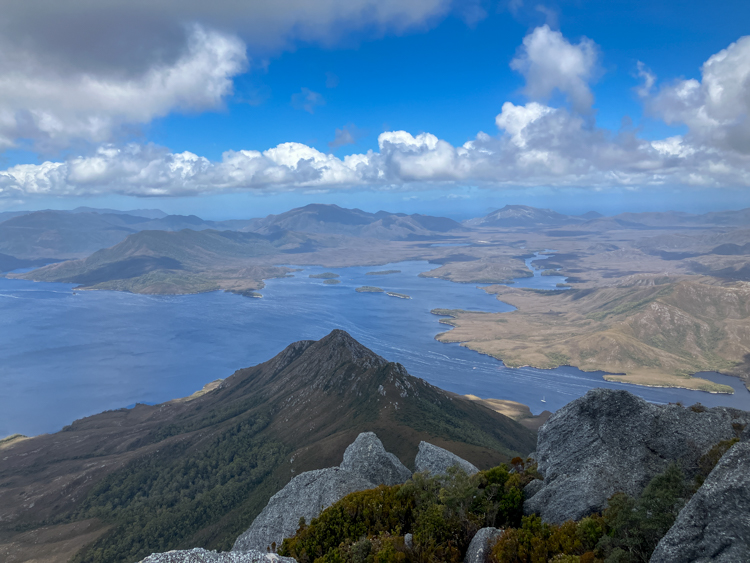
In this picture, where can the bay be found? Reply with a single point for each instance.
(66, 354)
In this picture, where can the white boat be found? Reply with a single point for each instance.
(544, 400)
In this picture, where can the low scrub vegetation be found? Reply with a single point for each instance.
(442, 514)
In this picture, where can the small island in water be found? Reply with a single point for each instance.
(331, 282)
(368, 289)
(325, 276)
(399, 295)
(383, 273)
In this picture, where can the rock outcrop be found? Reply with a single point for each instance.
(533, 488)
(367, 458)
(202, 556)
(305, 496)
(715, 524)
(609, 441)
(480, 546)
(436, 460)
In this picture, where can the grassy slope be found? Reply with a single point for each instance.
(655, 335)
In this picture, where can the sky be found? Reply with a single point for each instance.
(234, 109)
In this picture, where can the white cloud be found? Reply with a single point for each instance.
(81, 71)
(550, 62)
(716, 108)
(535, 145)
(52, 108)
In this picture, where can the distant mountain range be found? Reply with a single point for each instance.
(513, 216)
(47, 236)
(64, 235)
(196, 471)
(525, 216)
(332, 219)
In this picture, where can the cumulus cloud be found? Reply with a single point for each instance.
(51, 107)
(80, 70)
(550, 63)
(535, 145)
(716, 108)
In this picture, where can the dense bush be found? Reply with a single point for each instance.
(162, 502)
(442, 513)
(627, 532)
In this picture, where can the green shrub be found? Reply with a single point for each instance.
(442, 512)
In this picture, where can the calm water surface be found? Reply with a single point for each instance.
(66, 355)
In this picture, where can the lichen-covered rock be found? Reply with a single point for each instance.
(715, 524)
(367, 457)
(202, 556)
(436, 461)
(533, 488)
(609, 441)
(480, 546)
(305, 496)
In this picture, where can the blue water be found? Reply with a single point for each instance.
(66, 355)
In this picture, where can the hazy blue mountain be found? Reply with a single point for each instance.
(332, 219)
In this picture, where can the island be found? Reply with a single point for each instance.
(244, 293)
(331, 282)
(399, 295)
(383, 273)
(368, 289)
(325, 276)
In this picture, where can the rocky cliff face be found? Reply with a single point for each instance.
(611, 441)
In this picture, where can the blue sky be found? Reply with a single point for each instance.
(144, 114)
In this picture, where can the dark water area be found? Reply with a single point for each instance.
(65, 355)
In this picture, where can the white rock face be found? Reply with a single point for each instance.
(436, 461)
(367, 458)
(305, 496)
(202, 556)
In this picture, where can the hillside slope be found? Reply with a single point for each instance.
(657, 334)
(196, 472)
(186, 261)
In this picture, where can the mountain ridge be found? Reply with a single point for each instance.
(241, 442)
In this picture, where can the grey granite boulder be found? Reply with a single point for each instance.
(715, 524)
(436, 461)
(202, 556)
(409, 541)
(367, 457)
(305, 496)
(609, 441)
(481, 545)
